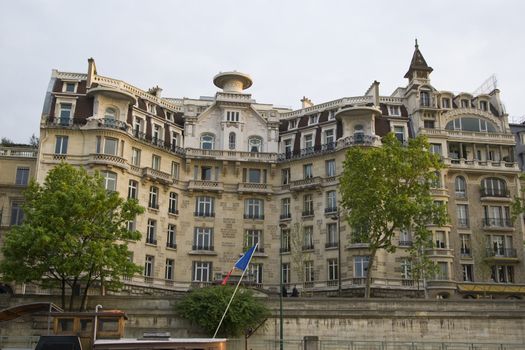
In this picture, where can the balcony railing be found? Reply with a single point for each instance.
(465, 252)
(495, 192)
(309, 183)
(286, 216)
(113, 124)
(308, 246)
(157, 175)
(204, 214)
(254, 187)
(463, 222)
(330, 210)
(405, 243)
(153, 205)
(254, 216)
(331, 245)
(284, 249)
(171, 245)
(173, 211)
(18, 152)
(205, 247)
(205, 185)
(308, 213)
(502, 252)
(496, 222)
(151, 241)
(108, 159)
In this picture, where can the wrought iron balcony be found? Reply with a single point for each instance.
(331, 245)
(204, 214)
(171, 245)
(405, 243)
(308, 246)
(254, 216)
(286, 216)
(308, 213)
(206, 247)
(497, 222)
(501, 252)
(495, 192)
(151, 241)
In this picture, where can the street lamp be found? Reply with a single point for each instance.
(339, 263)
(282, 226)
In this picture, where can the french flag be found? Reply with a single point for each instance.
(242, 263)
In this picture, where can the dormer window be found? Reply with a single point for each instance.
(169, 116)
(174, 139)
(232, 116)
(331, 115)
(292, 124)
(152, 108)
(445, 103)
(464, 103)
(157, 133)
(394, 110)
(483, 105)
(308, 141)
(425, 98)
(254, 144)
(313, 119)
(65, 113)
(69, 87)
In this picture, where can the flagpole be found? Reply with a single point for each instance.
(235, 291)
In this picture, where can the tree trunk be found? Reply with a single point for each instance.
(72, 297)
(63, 294)
(369, 273)
(84, 297)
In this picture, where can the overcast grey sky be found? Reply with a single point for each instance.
(320, 49)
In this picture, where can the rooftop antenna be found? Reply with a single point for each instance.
(489, 85)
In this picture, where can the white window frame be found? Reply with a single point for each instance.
(394, 110)
(61, 143)
(202, 271)
(309, 272)
(333, 267)
(133, 189)
(149, 266)
(110, 180)
(171, 236)
(173, 201)
(66, 82)
(151, 232)
(205, 141)
(361, 266)
(169, 270)
(203, 238)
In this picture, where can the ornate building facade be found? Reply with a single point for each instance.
(219, 174)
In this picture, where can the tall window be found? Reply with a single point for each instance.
(255, 273)
(254, 144)
(17, 213)
(285, 267)
(133, 189)
(135, 156)
(287, 147)
(207, 141)
(252, 237)
(330, 167)
(442, 273)
(110, 180)
(285, 208)
(308, 142)
(22, 176)
(468, 274)
(445, 103)
(399, 131)
(155, 162)
(331, 235)
(110, 146)
(406, 269)
(254, 208)
(285, 243)
(231, 139)
(441, 241)
(331, 202)
(203, 238)
(65, 113)
(494, 187)
(462, 212)
(308, 171)
(174, 140)
(175, 170)
(435, 148)
(232, 116)
(110, 117)
(309, 271)
(202, 271)
(61, 144)
(460, 186)
(148, 265)
(425, 98)
(171, 239)
(496, 216)
(359, 133)
(308, 205)
(172, 205)
(168, 272)
(502, 273)
(204, 206)
(308, 237)
(329, 138)
(465, 249)
(151, 232)
(254, 176)
(153, 197)
(332, 269)
(203, 173)
(405, 238)
(361, 266)
(138, 127)
(285, 176)
(157, 134)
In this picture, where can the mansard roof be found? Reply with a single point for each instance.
(418, 63)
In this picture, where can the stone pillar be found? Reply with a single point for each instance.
(311, 343)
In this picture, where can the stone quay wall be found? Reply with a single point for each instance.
(480, 321)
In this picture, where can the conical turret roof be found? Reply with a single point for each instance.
(418, 63)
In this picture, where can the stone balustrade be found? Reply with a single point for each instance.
(205, 185)
(157, 175)
(107, 159)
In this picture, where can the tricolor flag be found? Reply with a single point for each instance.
(242, 263)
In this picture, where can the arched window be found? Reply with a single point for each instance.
(359, 133)
(254, 144)
(494, 187)
(460, 186)
(207, 141)
(231, 139)
(110, 117)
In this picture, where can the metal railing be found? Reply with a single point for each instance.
(206, 247)
(496, 222)
(502, 252)
(495, 192)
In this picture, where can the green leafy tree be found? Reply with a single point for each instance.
(74, 233)
(205, 307)
(388, 188)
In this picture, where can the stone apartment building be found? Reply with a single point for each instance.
(219, 174)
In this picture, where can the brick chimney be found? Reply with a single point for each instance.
(306, 102)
